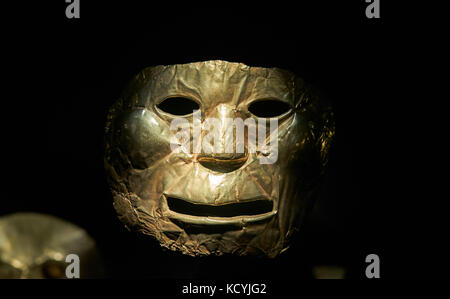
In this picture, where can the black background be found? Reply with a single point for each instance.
(386, 191)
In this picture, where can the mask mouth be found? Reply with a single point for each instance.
(247, 208)
(236, 213)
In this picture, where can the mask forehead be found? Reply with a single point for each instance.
(215, 82)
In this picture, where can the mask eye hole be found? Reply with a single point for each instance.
(268, 108)
(178, 106)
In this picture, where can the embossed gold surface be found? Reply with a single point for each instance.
(145, 176)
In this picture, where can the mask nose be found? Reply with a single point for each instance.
(224, 160)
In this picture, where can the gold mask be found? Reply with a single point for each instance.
(36, 246)
(201, 202)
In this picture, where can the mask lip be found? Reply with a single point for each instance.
(240, 221)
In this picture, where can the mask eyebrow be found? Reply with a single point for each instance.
(174, 82)
(273, 88)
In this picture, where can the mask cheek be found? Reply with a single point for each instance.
(143, 138)
(302, 152)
